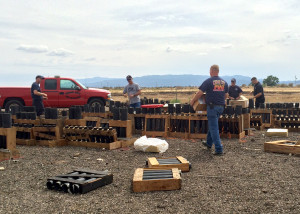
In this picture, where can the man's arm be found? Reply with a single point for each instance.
(258, 95)
(36, 92)
(226, 96)
(196, 97)
(240, 94)
(136, 94)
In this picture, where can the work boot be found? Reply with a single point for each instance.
(219, 153)
(205, 144)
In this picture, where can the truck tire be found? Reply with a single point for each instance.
(12, 103)
(96, 101)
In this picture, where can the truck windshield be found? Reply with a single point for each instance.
(83, 86)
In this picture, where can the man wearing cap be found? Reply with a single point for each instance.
(133, 92)
(258, 93)
(37, 95)
(216, 92)
(235, 91)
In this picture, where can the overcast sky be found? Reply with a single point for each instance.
(82, 39)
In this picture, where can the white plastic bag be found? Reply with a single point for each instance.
(151, 145)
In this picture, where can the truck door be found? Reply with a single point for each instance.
(49, 87)
(70, 94)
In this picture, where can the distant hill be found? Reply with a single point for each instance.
(163, 81)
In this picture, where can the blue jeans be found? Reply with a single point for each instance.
(135, 105)
(213, 136)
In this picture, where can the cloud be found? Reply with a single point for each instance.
(226, 46)
(33, 48)
(90, 59)
(60, 52)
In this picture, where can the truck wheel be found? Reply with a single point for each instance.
(11, 103)
(94, 102)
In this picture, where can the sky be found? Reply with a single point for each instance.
(83, 39)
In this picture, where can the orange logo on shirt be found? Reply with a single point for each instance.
(219, 85)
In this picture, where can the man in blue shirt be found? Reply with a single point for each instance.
(235, 91)
(216, 90)
(37, 95)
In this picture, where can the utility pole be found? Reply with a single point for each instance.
(295, 80)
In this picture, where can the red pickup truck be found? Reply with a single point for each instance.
(62, 93)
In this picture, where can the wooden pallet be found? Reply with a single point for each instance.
(123, 124)
(140, 185)
(164, 133)
(48, 139)
(237, 125)
(283, 146)
(183, 165)
(51, 143)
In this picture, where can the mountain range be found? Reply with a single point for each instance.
(163, 80)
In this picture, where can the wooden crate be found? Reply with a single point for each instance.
(282, 146)
(258, 120)
(197, 117)
(48, 139)
(236, 127)
(133, 118)
(175, 129)
(166, 121)
(21, 141)
(140, 185)
(264, 113)
(11, 149)
(183, 165)
(122, 124)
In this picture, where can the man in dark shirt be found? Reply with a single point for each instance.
(38, 96)
(216, 92)
(235, 91)
(258, 92)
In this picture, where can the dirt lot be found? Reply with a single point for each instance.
(185, 94)
(244, 180)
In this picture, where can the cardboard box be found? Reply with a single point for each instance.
(200, 105)
(243, 101)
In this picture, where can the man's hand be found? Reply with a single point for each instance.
(125, 95)
(251, 93)
(231, 98)
(237, 98)
(131, 95)
(44, 95)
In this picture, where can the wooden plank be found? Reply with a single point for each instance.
(109, 146)
(10, 134)
(25, 142)
(184, 166)
(51, 143)
(277, 132)
(77, 122)
(197, 136)
(26, 121)
(127, 142)
(120, 123)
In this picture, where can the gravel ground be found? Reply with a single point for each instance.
(244, 180)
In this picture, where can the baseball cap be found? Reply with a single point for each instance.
(129, 77)
(233, 80)
(40, 76)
